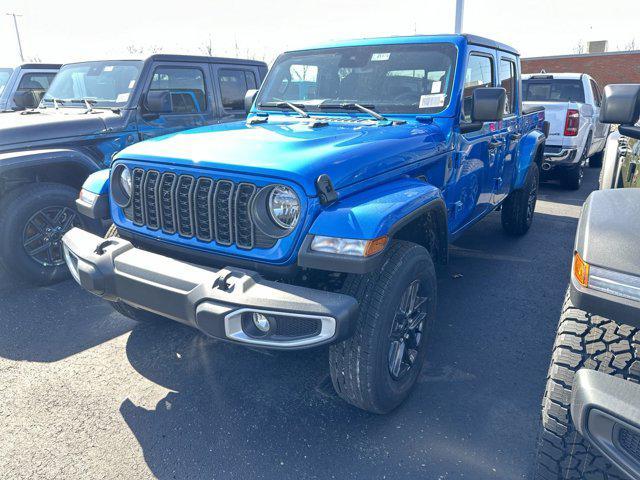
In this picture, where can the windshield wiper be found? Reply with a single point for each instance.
(288, 105)
(354, 106)
(56, 102)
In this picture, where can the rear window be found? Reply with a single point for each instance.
(552, 90)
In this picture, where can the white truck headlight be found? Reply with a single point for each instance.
(348, 246)
(284, 207)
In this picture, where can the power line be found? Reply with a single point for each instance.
(15, 24)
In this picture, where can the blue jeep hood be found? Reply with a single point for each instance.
(292, 150)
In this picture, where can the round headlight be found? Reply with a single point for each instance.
(284, 207)
(125, 181)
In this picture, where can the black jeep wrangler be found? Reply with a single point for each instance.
(91, 111)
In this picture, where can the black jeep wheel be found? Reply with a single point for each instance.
(519, 207)
(376, 368)
(582, 341)
(122, 308)
(33, 220)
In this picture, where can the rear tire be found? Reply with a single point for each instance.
(32, 221)
(572, 177)
(595, 161)
(369, 369)
(519, 207)
(125, 309)
(582, 341)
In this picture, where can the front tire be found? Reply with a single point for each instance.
(376, 368)
(588, 341)
(33, 220)
(519, 207)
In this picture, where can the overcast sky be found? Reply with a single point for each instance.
(72, 30)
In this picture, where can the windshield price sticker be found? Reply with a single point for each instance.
(436, 87)
(432, 100)
(108, 68)
(380, 57)
(122, 97)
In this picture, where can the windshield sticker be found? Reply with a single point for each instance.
(108, 68)
(122, 97)
(436, 87)
(380, 57)
(132, 84)
(432, 100)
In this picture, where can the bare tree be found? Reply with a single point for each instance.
(580, 48)
(151, 49)
(630, 45)
(207, 47)
(33, 59)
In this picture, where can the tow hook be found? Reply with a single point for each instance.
(546, 166)
(222, 281)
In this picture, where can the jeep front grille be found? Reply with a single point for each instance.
(211, 210)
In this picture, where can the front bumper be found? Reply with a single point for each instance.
(214, 301)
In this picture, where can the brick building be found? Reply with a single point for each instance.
(608, 67)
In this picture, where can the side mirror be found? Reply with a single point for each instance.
(249, 98)
(25, 99)
(621, 104)
(487, 105)
(158, 101)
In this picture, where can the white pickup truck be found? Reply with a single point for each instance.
(572, 106)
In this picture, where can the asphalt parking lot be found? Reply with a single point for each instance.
(85, 393)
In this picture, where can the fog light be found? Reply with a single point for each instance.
(261, 322)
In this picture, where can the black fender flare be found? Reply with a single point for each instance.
(16, 160)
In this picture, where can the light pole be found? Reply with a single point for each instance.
(15, 24)
(459, 15)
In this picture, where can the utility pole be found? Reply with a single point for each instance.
(459, 15)
(15, 24)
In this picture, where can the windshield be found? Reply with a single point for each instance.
(104, 84)
(552, 90)
(386, 78)
(5, 73)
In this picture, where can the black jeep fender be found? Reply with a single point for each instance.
(68, 166)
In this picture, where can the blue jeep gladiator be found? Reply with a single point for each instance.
(319, 219)
(92, 110)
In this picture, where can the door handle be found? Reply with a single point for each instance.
(515, 137)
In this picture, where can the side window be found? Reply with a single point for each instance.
(186, 86)
(35, 81)
(596, 92)
(508, 82)
(233, 87)
(479, 74)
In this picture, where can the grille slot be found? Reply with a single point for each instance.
(136, 200)
(201, 202)
(630, 442)
(167, 208)
(211, 210)
(150, 198)
(184, 205)
(223, 204)
(244, 225)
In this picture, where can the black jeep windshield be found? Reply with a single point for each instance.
(5, 73)
(102, 84)
(412, 78)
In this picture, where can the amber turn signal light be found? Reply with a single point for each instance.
(580, 270)
(374, 246)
